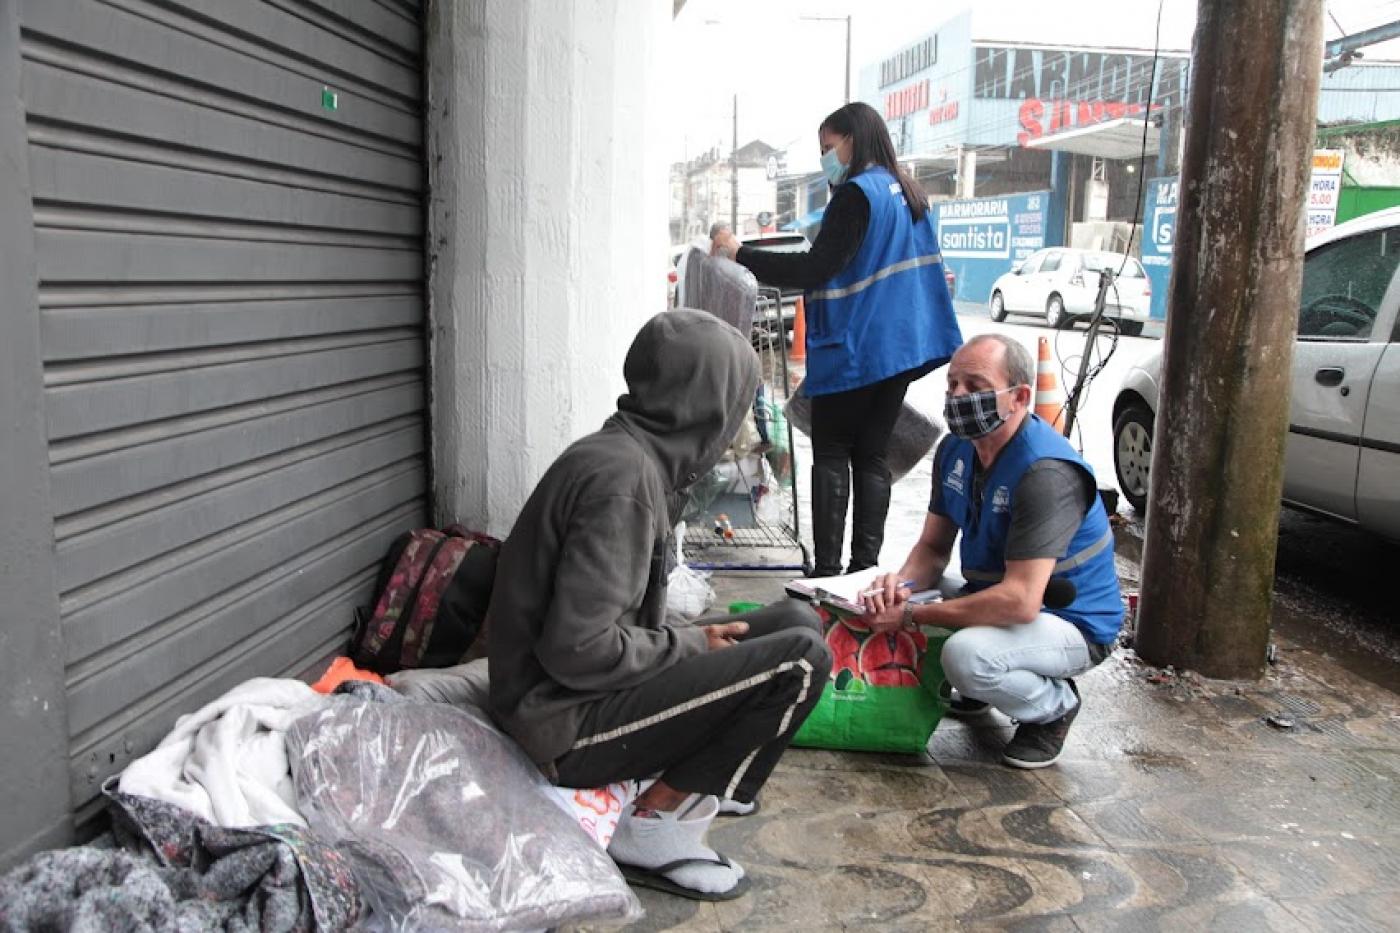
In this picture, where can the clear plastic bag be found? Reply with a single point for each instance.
(446, 822)
(703, 494)
(688, 592)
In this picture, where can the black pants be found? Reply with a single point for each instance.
(851, 430)
(716, 723)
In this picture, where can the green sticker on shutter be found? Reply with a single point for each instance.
(330, 100)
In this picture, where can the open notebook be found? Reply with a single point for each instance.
(843, 592)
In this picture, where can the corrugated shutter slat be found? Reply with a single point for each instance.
(229, 239)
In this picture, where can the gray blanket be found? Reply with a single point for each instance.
(914, 432)
(725, 289)
(176, 872)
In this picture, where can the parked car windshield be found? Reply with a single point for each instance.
(1096, 261)
(1344, 283)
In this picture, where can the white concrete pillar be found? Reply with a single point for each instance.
(1096, 200)
(547, 231)
(967, 174)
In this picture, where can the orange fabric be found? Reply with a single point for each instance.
(341, 670)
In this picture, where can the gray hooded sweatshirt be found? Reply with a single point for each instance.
(579, 605)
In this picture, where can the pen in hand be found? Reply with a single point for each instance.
(904, 584)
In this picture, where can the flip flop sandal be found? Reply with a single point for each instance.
(655, 878)
(757, 805)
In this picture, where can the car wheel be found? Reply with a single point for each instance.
(998, 307)
(1055, 313)
(1132, 454)
(1130, 328)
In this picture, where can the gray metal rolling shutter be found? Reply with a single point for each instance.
(229, 237)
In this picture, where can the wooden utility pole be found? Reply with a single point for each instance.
(1217, 468)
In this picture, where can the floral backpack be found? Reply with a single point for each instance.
(430, 602)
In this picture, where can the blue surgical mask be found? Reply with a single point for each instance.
(833, 167)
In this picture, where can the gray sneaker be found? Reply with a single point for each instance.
(1038, 744)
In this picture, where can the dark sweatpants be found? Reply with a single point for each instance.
(851, 430)
(716, 723)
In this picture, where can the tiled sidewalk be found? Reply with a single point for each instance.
(1175, 806)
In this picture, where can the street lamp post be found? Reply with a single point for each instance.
(847, 21)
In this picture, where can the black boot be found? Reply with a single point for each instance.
(872, 494)
(830, 491)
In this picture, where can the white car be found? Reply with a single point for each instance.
(1342, 458)
(1060, 285)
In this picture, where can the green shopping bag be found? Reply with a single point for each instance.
(887, 692)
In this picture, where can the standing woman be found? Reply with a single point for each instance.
(878, 317)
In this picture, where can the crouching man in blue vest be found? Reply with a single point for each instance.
(1028, 510)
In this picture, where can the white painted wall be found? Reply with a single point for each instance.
(547, 227)
(1372, 160)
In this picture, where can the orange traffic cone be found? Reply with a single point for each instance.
(799, 331)
(1049, 397)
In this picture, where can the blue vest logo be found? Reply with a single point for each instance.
(1001, 500)
(955, 478)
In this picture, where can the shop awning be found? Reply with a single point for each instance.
(1111, 139)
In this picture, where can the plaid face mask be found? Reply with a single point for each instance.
(975, 414)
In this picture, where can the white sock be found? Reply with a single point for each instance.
(668, 836)
(735, 808)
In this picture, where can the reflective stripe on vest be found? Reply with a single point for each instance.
(1063, 566)
(903, 266)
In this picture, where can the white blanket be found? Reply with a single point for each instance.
(227, 762)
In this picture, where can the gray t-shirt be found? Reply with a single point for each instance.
(1047, 508)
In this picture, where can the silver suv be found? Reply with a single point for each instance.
(1343, 453)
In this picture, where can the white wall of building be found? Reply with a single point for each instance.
(548, 233)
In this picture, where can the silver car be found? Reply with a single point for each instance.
(1343, 454)
(1062, 284)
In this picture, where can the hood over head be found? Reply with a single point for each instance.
(690, 380)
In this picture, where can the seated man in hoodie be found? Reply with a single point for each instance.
(587, 674)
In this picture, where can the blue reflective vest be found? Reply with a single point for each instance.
(889, 310)
(1088, 562)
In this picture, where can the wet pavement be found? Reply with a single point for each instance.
(1177, 804)
(1333, 593)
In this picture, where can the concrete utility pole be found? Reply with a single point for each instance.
(734, 173)
(1217, 469)
(848, 59)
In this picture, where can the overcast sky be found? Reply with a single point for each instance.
(788, 72)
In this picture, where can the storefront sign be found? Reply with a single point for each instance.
(1158, 237)
(1039, 117)
(909, 62)
(1019, 73)
(943, 111)
(906, 100)
(1326, 190)
(981, 238)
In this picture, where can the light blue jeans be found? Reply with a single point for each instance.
(1019, 669)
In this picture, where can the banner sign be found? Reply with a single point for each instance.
(1326, 190)
(1158, 236)
(981, 238)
